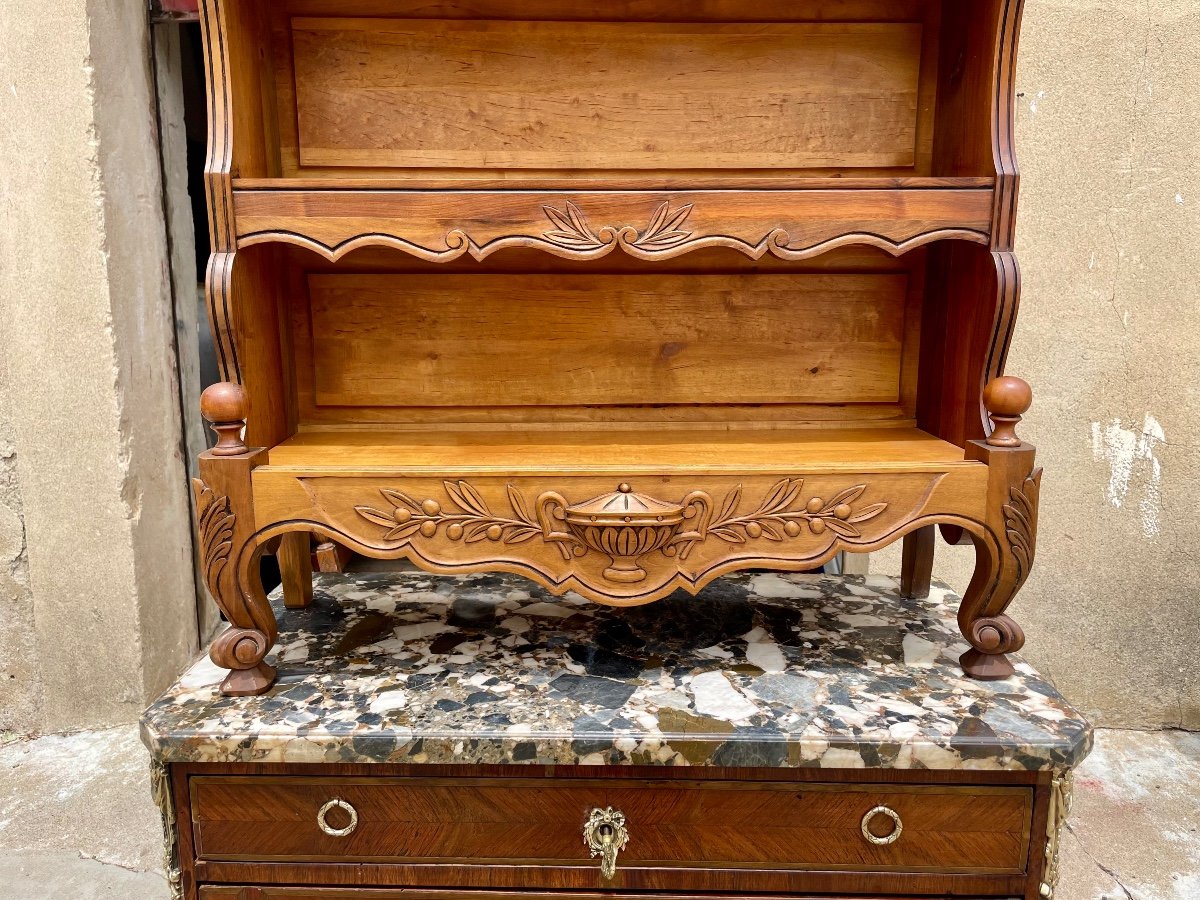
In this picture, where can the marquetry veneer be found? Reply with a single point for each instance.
(353, 831)
(618, 296)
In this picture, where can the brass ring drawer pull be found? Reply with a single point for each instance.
(891, 838)
(329, 829)
(605, 836)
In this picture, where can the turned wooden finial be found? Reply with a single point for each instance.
(1007, 399)
(224, 406)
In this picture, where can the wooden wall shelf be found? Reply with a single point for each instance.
(648, 225)
(616, 296)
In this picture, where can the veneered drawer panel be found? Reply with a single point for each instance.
(676, 825)
(233, 892)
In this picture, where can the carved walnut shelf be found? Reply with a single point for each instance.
(614, 296)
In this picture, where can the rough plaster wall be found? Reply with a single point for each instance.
(156, 474)
(88, 393)
(20, 682)
(1109, 337)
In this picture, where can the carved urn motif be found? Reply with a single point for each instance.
(625, 526)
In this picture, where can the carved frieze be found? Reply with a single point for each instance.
(624, 540)
(805, 225)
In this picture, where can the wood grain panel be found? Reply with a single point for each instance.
(618, 10)
(647, 225)
(390, 881)
(657, 450)
(234, 892)
(700, 884)
(697, 824)
(606, 95)
(544, 340)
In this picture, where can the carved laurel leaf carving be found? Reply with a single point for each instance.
(216, 523)
(465, 515)
(1020, 517)
(665, 228)
(777, 517)
(471, 520)
(572, 229)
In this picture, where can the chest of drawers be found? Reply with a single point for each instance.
(477, 737)
(727, 832)
(620, 297)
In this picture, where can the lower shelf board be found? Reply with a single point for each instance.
(651, 450)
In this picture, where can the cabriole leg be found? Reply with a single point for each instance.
(1005, 553)
(225, 512)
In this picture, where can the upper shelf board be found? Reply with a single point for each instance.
(442, 226)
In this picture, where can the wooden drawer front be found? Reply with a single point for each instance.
(676, 825)
(287, 893)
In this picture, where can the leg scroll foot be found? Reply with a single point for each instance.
(242, 650)
(991, 639)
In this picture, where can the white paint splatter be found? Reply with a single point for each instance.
(1151, 506)
(1033, 104)
(1127, 451)
(1179, 199)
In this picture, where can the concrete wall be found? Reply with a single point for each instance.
(96, 587)
(1109, 337)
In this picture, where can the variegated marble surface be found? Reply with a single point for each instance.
(758, 670)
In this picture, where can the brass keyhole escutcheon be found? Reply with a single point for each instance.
(605, 836)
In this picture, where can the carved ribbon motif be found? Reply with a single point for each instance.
(624, 525)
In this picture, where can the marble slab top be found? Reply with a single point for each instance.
(759, 670)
